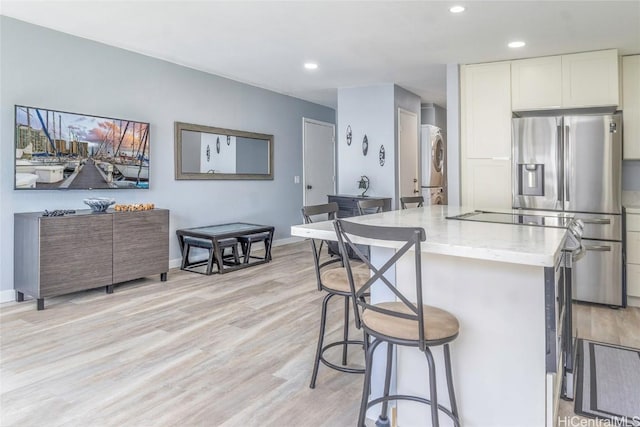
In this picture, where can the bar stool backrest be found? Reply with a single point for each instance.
(324, 212)
(368, 206)
(410, 200)
(408, 238)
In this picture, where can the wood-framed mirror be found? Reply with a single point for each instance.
(205, 152)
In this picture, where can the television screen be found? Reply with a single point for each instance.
(60, 150)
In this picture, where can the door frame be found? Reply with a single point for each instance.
(418, 154)
(306, 120)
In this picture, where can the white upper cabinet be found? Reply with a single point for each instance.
(486, 110)
(578, 80)
(590, 79)
(631, 106)
(536, 84)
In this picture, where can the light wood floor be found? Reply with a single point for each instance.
(221, 350)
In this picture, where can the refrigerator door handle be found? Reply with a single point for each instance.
(568, 166)
(596, 221)
(559, 162)
(598, 248)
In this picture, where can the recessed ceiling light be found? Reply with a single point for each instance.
(310, 65)
(516, 44)
(456, 9)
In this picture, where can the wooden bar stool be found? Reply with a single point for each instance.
(195, 242)
(331, 277)
(401, 322)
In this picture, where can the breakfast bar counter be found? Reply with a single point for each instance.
(500, 281)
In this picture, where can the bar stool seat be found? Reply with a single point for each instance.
(196, 242)
(336, 279)
(403, 322)
(247, 240)
(438, 323)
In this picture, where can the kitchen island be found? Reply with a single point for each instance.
(501, 282)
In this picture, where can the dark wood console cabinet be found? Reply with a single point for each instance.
(59, 255)
(348, 205)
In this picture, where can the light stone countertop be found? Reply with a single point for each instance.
(517, 244)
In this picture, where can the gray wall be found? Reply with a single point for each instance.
(44, 68)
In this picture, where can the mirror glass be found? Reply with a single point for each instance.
(204, 152)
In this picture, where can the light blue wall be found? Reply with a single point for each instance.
(369, 111)
(44, 68)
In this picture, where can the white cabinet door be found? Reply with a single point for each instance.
(633, 280)
(590, 79)
(631, 106)
(536, 83)
(486, 110)
(486, 183)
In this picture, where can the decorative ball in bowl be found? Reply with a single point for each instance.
(99, 204)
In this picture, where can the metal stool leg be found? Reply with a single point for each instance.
(383, 419)
(452, 396)
(346, 330)
(433, 391)
(367, 382)
(323, 322)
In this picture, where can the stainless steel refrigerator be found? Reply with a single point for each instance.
(573, 164)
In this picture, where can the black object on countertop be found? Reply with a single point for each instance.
(58, 212)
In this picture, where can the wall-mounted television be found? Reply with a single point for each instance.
(57, 150)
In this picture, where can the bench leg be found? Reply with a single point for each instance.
(236, 258)
(185, 256)
(247, 252)
(212, 259)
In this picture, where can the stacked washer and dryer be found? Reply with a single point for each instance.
(434, 162)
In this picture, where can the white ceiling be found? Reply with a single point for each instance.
(355, 43)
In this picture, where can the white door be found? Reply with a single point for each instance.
(409, 184)
(319, 168)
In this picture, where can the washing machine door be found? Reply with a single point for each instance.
(437, 159)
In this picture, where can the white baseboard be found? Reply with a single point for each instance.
(287, 241)
(633, 301)
(9, 295)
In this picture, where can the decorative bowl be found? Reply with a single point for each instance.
(99, 204)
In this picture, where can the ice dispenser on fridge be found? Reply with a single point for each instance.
(531, 179)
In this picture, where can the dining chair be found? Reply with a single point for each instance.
(331, 278)
(404, 322)
(410, 200)
(369, 206)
